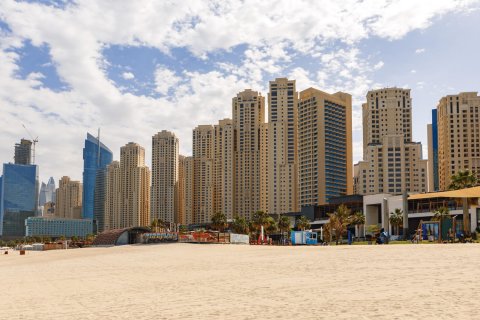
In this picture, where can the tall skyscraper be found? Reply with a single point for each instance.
(47, 192)
(189, 190)
(180, 196)
(69, 199)
(283, 151)
(42, 198)
(432, 133)
(18, 198)
(95, 156)
(23, 152)
(204, 173)
(458, 125)
(224, 162)
(248, 109)
(324, 146)
(99, 197)
(165, 177)
(113, 198)
(135, 186)
(392, 162)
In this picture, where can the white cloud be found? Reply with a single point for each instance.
(128, 75)
(165, 79)
(273, 33)
(420, 50)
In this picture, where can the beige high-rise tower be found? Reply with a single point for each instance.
(189, 195)
(180, 196)
(113, 197)
(324, 146)
(392, 163)
(458, 123)
(135, 185)
(248, 109)
(204, 173)
(282, 151)
(224, 151)
(69, 199)
(165, 177)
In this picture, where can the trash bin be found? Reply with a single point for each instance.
(22, 252)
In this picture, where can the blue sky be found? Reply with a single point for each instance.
(134, 68)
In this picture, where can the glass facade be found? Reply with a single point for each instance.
(18, 197)
(57, 227)
(436, 186)
(95, 156)
(335, 151)
(99, 201)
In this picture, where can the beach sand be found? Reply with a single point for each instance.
(191, 281)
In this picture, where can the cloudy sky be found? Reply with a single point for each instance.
(136, 67)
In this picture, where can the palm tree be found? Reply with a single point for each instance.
(339, 220)
(271, 226)
(396, 220)
(259, 219)
(303, 223)
(358, 219)
(157, 224)
(440, 215)
(461, 180)
(240, 225)
(284, 224)
(219, 221)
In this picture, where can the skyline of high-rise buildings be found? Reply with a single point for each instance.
(301, 156)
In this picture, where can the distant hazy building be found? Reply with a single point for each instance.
(23, 152)
(282, 152)
(48, 210)
(69, 199)
(165, 173)
(127, 201)
(458, 125)
(47, 192)
(95, 156)
(18, 198)
(57, 227)
(392, 162)
(324, 146)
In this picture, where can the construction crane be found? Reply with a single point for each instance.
(34, 143)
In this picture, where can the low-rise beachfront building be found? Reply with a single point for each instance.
(421, 207)
(58, 227)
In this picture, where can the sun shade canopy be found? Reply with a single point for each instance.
(462, 193)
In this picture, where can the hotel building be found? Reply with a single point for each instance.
(324, 146)
(69, 199)
(165, 177)
(458, 125)
(282, 152)
(392, 162)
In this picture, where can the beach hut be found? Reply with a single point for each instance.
(304, 237)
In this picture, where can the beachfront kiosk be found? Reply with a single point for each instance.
(304, 237)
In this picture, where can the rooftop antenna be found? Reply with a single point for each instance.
(34, 143)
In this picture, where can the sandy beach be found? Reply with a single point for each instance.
(188, 281)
